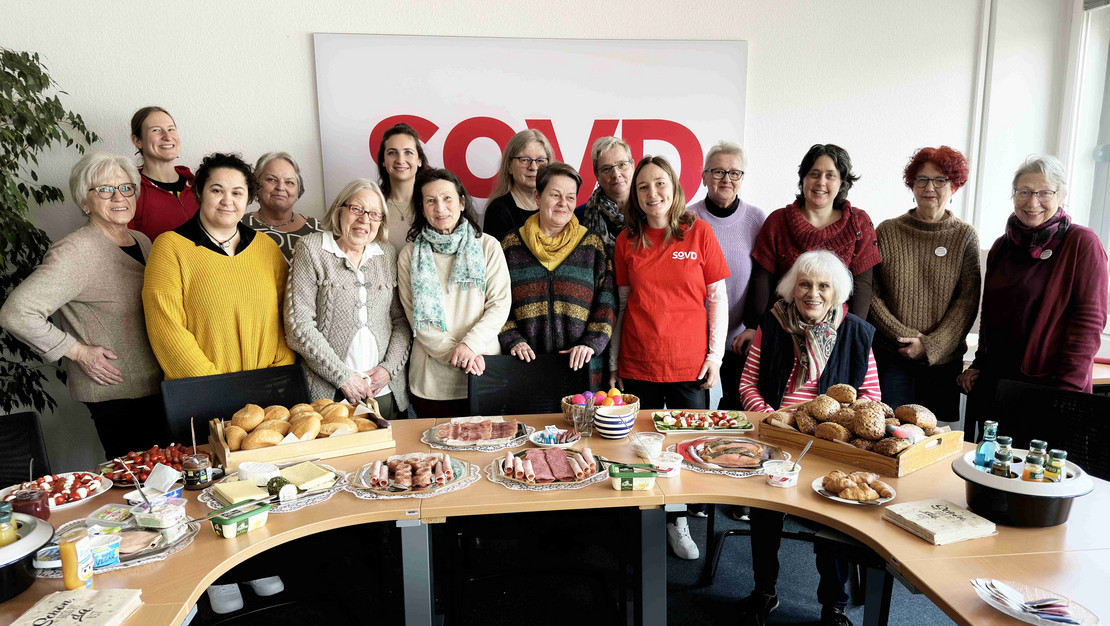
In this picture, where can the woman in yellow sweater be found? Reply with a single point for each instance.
(213, 289)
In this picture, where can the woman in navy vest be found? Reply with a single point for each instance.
(805, 344)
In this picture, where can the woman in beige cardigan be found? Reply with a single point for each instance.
(91, 281)
(342, 311)
(455, 289)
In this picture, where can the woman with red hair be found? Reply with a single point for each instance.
(926, 291)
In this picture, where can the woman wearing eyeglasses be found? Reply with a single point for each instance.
(514, 196)
(168, 200)
(343, 314)
(91, 281)
(926, 291)
(455, 290)
(1044, 294)
(603, 212)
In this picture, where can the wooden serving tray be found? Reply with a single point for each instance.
(321, 448)
(913, 458)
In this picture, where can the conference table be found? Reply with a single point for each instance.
(1073, 559)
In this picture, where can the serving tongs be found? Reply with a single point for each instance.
(138, 485)
(238, 507)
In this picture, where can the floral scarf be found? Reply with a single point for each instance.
(469, 269)
(551, 251)
(813, 343)
(604, 218)
(1041, 241)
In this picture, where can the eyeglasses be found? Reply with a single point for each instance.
(1044, 196)
(107, 191)
(358, 212)
(619, 166)
(733, 175)
(528, 161)
(922, 182)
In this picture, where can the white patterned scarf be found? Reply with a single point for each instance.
(469, 269)
(813, 343)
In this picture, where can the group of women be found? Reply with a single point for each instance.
(398, 293)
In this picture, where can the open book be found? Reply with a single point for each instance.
(88, 607)
(939, 521)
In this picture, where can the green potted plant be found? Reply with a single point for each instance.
(32, 120)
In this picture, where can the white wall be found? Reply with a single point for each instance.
(879, 78)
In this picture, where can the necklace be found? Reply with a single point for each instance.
(258, 216)
(222, 244)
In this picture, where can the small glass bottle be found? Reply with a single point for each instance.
(1054, 471)
(77, 559)
(1039, 446)
(984, 452)
(8, 533)
(1034, 467)
(1001, 466)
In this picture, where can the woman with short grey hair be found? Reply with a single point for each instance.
(280, 185)
(91, 281)
(342, 310)
(603, 211)
(1044, 297)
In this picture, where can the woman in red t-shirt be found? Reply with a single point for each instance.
(668, 344)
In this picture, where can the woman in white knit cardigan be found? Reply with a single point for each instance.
(342, 310)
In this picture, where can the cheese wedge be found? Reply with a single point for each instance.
(238, 491)
(307, 476)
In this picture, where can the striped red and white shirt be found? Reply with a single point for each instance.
(749, 382)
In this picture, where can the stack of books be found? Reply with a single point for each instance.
(939, 521)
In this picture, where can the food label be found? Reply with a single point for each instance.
(197, 477)
(85, 562)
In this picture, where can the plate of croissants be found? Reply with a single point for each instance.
(855, 488)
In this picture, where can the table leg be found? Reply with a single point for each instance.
(876, 608)
(651, 607)
(416, 559)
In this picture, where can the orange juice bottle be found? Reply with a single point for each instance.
(77, 559)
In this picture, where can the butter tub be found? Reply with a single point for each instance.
(240, 519)
(631, 477)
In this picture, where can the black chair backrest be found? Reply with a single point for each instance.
(510, 386)
(208, 397)
(20, 441)
(1067, 420)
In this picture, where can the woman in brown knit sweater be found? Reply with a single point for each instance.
(926, 291)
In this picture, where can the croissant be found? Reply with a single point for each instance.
(836, 485)
(864, 478)
(884, 489)
(859, 492)
(831, 476)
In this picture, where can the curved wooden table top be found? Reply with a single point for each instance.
(170, 587)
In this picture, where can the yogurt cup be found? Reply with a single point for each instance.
(779, 473)
(647, 445)
(669, 464)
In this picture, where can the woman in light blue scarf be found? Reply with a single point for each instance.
(454, 285)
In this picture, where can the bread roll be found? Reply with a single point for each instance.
(842, 393)
(832, 431)
(304, 415)
(364, 424)
(891, 446)
(844, 417)
(887, 411)
(916, 414)
(318, 405)
(869, 422)
(307, 428)
(335, 410)
(248, 417)
(916, 430)
(276, 412)
(262, 439)
(784, 417)
(822, 407)
(300, 408)
(279, 425)
(929, 432)
(863, 444)
(893, 421)
(337, 427)
(805, 422)
(234, 436)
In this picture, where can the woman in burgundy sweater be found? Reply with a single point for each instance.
(1044, 296)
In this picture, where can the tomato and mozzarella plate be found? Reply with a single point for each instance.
(61, 489)
(691, 419)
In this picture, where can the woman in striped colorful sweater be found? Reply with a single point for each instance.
(562, 281)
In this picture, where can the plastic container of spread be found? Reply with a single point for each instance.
(49, 557)
(163, 513)
(779, 473)
(647, 445)
(173, 533)
(111, 515)
(134, 498)
(240, 520)
(669, 464)
(105, 550)
(630, 478)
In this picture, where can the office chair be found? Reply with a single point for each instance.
(20, 441)
(510, 386)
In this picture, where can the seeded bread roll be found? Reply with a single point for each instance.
(916, 414)
(784, 417)
(863, 444)
(335, 410)
(805, 422)
(869, 423)
(822, 407)
(307, 428)
(891, 446)
(276, 412)
(887, 411)
(262, 439)
(844, 417)
(364, 424)
(832, 431)
(279, 425)
(234, 436)
(318, 405)
(893, 421)
(842, 393)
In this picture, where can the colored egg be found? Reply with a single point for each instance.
(617, 400)
(608, 402)
(578, 399)
(600, 397)
(614, 392)
(588, 395)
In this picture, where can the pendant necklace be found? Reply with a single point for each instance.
(222, 244)
(285, 223)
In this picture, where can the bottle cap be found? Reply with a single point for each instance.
(1003, 440)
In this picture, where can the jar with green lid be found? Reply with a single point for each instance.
(1039, 446)
(1002, 459)
(1054, 470)
(1034, 467)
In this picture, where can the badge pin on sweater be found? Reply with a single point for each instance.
(940, 251)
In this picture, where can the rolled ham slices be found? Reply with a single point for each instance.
(417, 471)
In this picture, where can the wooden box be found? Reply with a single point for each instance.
(913, 458)
(323, 448)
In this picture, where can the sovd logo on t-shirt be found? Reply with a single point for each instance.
(685, 254)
